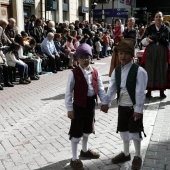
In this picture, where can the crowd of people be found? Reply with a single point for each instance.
(50, 45)
(47, 45)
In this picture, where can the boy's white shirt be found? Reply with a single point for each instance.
(141, 84)
(88, 77)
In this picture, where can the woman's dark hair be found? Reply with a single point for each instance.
(73, 33)
(38, 21)
(97, 39)
(19, 40)
(159, 12)
(78, 37)
(69, 39)
(14, 47)
(117, 20)
(80, 25)
(23, 33)
(32, 41)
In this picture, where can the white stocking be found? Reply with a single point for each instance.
(85, 142)
(74, 146)
(137, 145)
(126, 147)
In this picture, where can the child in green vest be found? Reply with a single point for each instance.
(129, 81)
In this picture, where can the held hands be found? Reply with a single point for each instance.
(137, 116)
(70, 114)
(104, 108)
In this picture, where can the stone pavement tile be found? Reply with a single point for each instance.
(90, 165)
(33, 166)
(98, 162)
(41, 161)
(1, 166)
(111, 167)
(8, 164)
(20, 166)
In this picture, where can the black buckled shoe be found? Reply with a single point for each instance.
(136, 163)
(76, 164)
(120, 158)
(90, 154)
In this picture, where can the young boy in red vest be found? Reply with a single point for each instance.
(84, 84)
(129, 81)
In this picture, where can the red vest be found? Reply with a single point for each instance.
(81, 86)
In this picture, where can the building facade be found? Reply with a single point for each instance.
(59, 11)
(107, 12)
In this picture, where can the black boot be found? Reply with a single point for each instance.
(148, 94)
(162, 95)
(8, 84)
(1, 88)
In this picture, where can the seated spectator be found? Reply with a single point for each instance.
(14, 61)
(80, 29)
(29, 50)
(71, 50)
(11, 30)
(30, 25)
(25, 37)
(64, 36)
(85, 38)
(4, 72)
(38, 31)
(51, 27)
(60, 49)
(48, 48)
(1, 68)
(77, 43)
(32, 63)
(4, 40)
(74, 35)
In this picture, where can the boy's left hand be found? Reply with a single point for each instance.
(137, 116)
(70, 114)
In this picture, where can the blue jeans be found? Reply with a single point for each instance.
(105, 47)
(23, 69)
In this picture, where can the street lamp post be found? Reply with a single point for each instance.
(103, 17)
(112, 13)
(91, 8)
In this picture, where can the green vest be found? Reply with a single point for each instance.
(130, 82)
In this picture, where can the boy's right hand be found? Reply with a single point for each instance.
(104, 108)
(70, 114)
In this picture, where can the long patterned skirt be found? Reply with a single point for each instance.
(156, 65)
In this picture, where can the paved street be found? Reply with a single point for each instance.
(34, 128)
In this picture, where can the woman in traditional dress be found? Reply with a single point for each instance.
(155, 58)
(129, 32)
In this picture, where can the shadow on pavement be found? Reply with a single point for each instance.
(64, 164)
(106, 82)
(105, 75)
(58, 97)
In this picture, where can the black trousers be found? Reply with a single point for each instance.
(83, 121)
(54, 63)
(4, 74)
